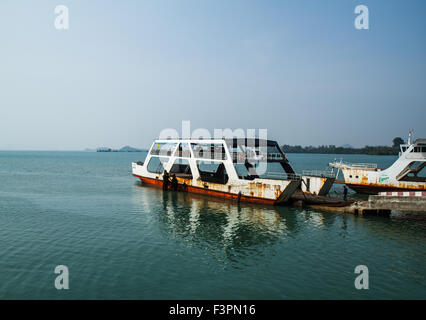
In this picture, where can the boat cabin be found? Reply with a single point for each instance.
(219, 160)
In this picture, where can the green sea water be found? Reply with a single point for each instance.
(122, 240)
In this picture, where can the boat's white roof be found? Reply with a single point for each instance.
(235, 141)
(420, 141)
(189, 140)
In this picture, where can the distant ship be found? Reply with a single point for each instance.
(124, 149)
(406, 174)
(229, 168)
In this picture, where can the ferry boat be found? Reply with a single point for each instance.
(404, 175)
(229, 168)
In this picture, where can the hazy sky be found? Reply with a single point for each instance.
(125, 70)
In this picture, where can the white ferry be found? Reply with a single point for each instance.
(229, 168)
(404, 175)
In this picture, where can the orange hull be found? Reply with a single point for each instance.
(205, 191)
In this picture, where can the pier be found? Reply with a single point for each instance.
(382, 204)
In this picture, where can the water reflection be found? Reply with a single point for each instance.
(231, 224)
(215, 223)
(230, 231)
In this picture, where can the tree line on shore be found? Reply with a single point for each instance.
(332, 149)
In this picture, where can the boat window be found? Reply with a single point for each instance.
(212, 172)
(420, 149)
(183, 150)
(214, 151)
(156, 164)
(163, 148)
(182, 168)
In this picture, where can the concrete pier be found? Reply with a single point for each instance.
(409, 204)
(380, 205)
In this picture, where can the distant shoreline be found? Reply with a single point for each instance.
(124, 149)
(330, 149)
(94, 151)
(367, 150)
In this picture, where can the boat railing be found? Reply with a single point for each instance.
(371, 166)
(281, 176)
(241, 157)
(318, 173)
(294, 176)
(363, 165)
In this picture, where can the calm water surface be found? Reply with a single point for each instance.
(121, 240)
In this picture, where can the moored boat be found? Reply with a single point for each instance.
(405, 174)
(252, 170)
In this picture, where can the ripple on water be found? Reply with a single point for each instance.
(123, 240)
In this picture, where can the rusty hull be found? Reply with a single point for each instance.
(267, 191)
(362, 183)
